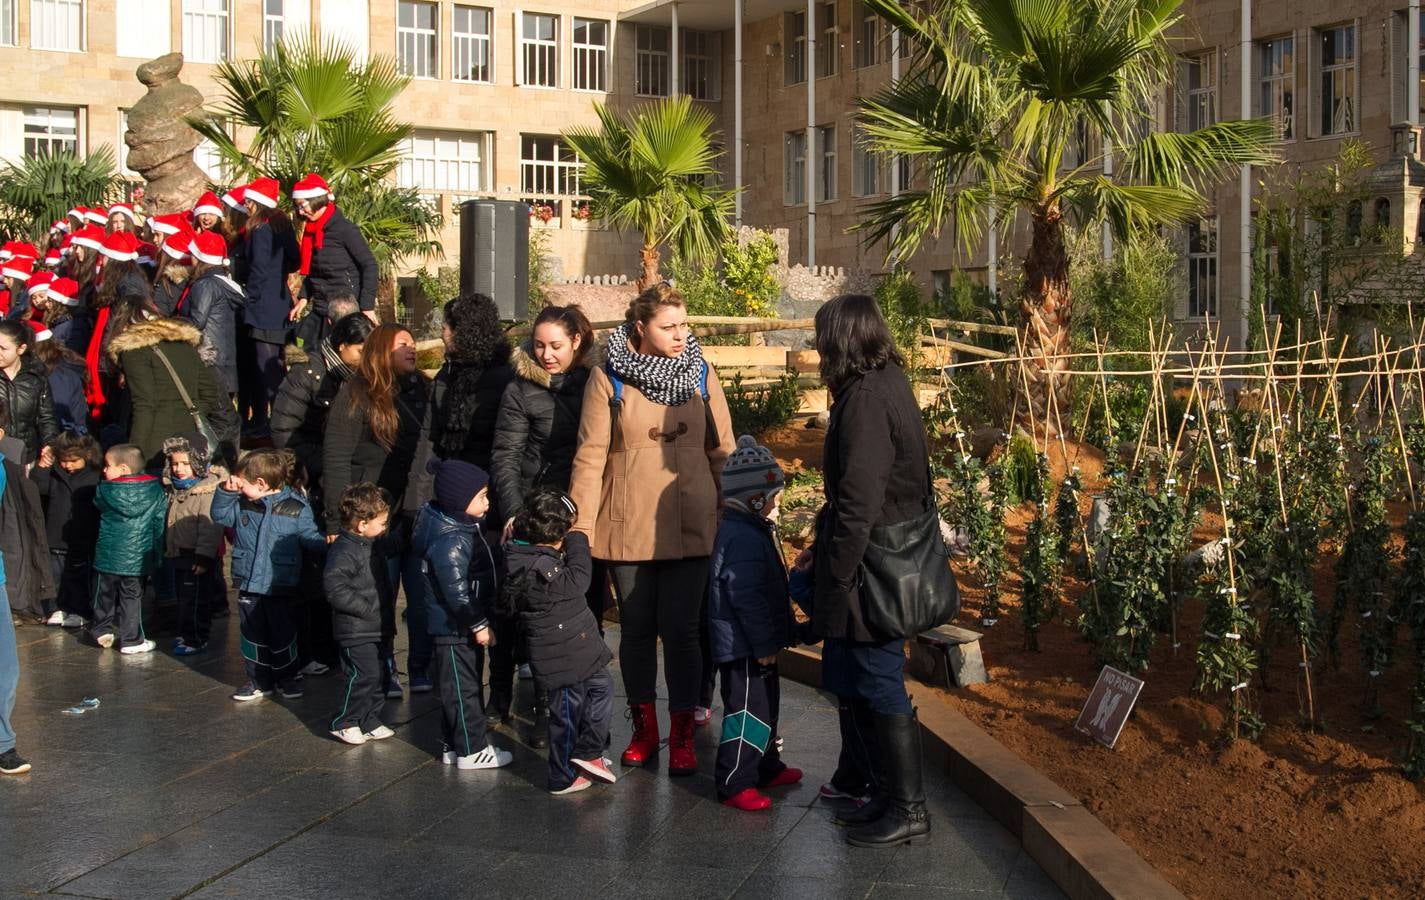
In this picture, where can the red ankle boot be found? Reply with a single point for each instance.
(645, 735)
(681, 758)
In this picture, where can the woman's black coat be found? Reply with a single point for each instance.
(299, 414)
(464, 404)
(536, 433)
(31, 406)
(342, 267)
(352, 454)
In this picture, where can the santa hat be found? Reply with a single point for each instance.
(169, 224)
(41, 332)
(60, 225)
(234, 197)
(18, 267)
(78, 212)
(54, 256)
(126, 209)
(64, 291)
(310, 188)
(208, 247)
(91, 236)
(96, 215)
(39, 281)
(177, 246)
(18, 250)
(264, 192)
(148, 253)
(121, 246)
(208, 205)
(7, 251)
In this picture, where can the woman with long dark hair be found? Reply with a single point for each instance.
(65, 370)
(24, 387)
(876, 472)
(211, 302)
(119, 279)
(272, 255)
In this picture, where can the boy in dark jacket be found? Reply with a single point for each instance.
(459, 568)
(132, 510)
(358, 588)
(548, 570)
(67, 476)
(749, 622)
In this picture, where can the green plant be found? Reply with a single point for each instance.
(1021, 470)
(906, 308)
(1040, 565)
(740, 282)
(538, 297)
(644, 170)
(1120, 297)
(756, 409)
(1225, 658)
(1410, 610)
(1067, 521)
(36, 191)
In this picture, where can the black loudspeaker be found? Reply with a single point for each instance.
(494, 254)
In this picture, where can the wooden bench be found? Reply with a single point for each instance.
(948, 655)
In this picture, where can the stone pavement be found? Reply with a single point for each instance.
(170, 789)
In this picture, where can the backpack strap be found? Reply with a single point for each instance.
(615, 402)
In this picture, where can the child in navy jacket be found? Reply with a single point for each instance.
(749, 622)
(358, 588)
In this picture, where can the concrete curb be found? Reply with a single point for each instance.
(1081, 854)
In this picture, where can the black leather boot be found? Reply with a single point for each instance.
(861, 739)
(539, 731)
(905, 817)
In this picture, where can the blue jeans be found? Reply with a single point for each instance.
(9, 672)
(871, 672)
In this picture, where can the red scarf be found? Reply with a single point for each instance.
(94, 390)
(4, 303)
(312, 236)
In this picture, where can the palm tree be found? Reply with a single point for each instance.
(313, 107)
(38, 190)
(646, 171)
(997, 98)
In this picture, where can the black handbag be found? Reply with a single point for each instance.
(905, 579)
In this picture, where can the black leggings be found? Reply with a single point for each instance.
(664, 600)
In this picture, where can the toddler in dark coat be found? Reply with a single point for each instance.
(67, 475)
(358, 588)
(548, 569)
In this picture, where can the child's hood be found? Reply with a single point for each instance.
(521, 558)
(133, 496)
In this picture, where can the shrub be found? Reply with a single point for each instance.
(757, 409)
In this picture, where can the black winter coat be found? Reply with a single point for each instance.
(546, 590)
(168, 288)
(31, 405)
(212, 304)
(465, 402)
(22, 538)
(71, 519)
(358, 589)
(536, 432)
(271, 258)
(876, 472)
(299, 414)
(351, 454)
(460, 569)
(342, 267)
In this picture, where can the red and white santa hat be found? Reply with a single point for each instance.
(18, 267)
(177, 246)
(54, 256)
(168, 224)
(209, 247)
(264, 192)
(96, 215)
(208, 205)
(39, 281)
(234, 197)
(64, 291)
(7, 251)
(311, 187)
(124, 209)
(60, 226)
(77, 212)
(41, 332)
(148, 254)
(18, 250)
(121, 246)
(91, 236)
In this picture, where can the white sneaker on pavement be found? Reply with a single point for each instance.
(489, 758)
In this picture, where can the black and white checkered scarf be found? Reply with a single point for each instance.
(667, 381)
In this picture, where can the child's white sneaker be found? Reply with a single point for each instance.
(105, 640)
(350, 735)
(600, 769)
(702, 715)
(73, 620)
(145, 647)
(447, 756)
(55, 618)
(489, 758)
(579, 784)
(380, 733)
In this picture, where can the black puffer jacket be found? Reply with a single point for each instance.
(212, 305)
(341, 267)
(536, 432)
(31, 405)
(465, 402)
(357, 587)
(168, 288)
(299, 414)
(71, 519)
(545, 589)
(460, 568)
(350, 452)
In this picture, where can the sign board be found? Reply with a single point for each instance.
(1108, 706)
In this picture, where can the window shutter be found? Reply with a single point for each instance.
(518, 58)
(1180, 97)
(1311, 96)
(1180, 296)
(1399, 67)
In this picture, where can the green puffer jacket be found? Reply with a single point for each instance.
(132, 512)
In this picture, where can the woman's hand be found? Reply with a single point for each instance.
(297, 309)
(767, 660)
(46, 458)
(509, 531)
(200, 569)
(803, 560)
(484, 636)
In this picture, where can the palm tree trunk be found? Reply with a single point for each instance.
(650, 258)
(1045, 305)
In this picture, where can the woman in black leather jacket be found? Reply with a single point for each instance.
(24, 385)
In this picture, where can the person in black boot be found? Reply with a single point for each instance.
(903, 814)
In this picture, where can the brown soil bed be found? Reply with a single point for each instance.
(1295, 813)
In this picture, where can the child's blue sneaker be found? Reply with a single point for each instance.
(181, 648)
(421, 684)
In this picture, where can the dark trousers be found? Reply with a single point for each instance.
(194, 594)
(361, 698)
(73, 574)
(661, 600)
(269, 639)
(314, 617)
(578, 726)
(457, 678)
(598, 593)
(261, 370)
(873, 672)
(118, 608)
(859, 763)
(751, 697)
(507, 653)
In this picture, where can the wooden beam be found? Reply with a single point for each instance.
(981, 327)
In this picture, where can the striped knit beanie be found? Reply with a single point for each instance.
(752, 475)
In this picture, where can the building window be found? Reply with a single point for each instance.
(794, 47)
(1276, 62)
(1202, 268)
(7, 23)
(549, 171)
(51, 128)
(826, 159)
(470, 46)
(452, 162)
(539, 50)
(652, 72)
(1336, 64)
(57, 25)
(416, 39)
(205, 30)
(1382, 214)
(873, 38)
(591, 54)
(702, 73)
(207, 158)
(1201, 90)
(794, 168)
(271, 24)
(870, 173)
(828, 47)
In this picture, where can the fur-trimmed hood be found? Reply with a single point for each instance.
(152, 332)
(528, 368)
(177, 273)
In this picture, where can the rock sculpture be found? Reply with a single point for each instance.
(161, 141)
